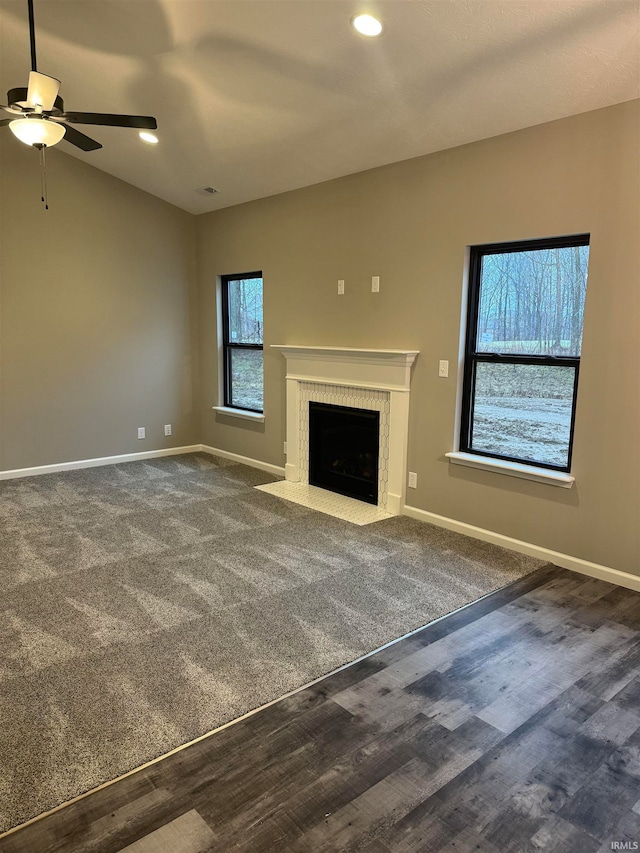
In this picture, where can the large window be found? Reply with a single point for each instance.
(242, 341)
(523, 343)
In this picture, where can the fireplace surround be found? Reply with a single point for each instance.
(372, 379)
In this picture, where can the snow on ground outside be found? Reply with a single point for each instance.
(535, 428)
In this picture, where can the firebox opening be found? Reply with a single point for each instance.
(344, 446)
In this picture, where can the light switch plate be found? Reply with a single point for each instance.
(375, 284)
(443, 369)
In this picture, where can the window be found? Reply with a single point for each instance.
(242, 341)
(522, 356)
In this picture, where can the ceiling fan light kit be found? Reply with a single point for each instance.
(42, 121)
(37, 131)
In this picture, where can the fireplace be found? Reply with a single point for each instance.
(372, 379)
(343, 450)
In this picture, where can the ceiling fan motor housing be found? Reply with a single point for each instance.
(17, 100)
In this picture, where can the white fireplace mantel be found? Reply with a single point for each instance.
(384, 372)
(368, 368)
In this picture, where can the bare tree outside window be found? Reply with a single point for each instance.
(243, 341)
(524, 340)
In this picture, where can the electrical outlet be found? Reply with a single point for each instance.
(443, 369)
(285, 448)
(375, 284)
(340, 287)
(142, 433)
(413, 480)
(167, 429)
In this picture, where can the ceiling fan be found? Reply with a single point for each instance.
(41, 120)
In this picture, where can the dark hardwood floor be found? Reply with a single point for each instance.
(512, 725)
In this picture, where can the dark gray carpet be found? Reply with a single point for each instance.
(144, 604)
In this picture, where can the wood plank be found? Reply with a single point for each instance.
(186, 834)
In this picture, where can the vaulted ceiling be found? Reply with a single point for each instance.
(256, 97)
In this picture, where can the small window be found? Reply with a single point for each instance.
(522, 356)
(243, 341)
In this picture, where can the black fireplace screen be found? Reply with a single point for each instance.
(343, 450)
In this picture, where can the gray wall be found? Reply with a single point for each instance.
(105, 325)
(97, 307)
(409, 223)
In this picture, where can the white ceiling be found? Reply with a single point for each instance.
(256, 97)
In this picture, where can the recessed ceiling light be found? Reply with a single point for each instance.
(367, 25)
(151, 138)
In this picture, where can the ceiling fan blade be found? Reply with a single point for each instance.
(80, 140)
(4, 121)
(112, 119)
(42, 91)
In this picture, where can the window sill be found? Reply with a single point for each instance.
(513, 469)
(243, 414)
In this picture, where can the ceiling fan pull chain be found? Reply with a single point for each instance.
(44, 178)
(40, 153)
(43, 175)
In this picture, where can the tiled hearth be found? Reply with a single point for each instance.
(377, 380)
(339, 506)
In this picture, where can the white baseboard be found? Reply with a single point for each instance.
(133, 457)
(94, 463)
(575, 564)
(291, 472)
(394, 504)
(276, 470)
